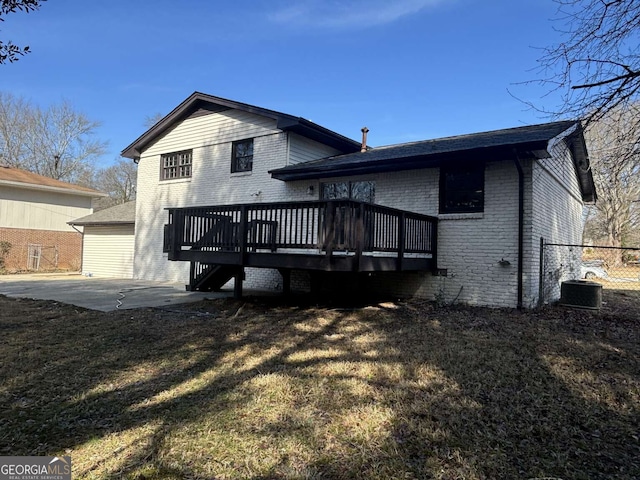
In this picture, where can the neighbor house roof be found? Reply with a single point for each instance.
(201, 103)
(122, 214)
(18, 178)
(521, 142)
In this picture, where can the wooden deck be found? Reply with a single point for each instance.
(330, 236)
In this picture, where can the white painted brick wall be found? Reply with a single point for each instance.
(210, 137)
(469, 245)
(557, 217)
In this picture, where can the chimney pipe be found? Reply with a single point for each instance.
(364, 131)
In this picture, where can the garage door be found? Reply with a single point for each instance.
(108, 251)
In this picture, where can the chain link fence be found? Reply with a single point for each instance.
(615, 268)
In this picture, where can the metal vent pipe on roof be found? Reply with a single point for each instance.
(364, 131)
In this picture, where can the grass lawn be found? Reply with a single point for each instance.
(260, 389)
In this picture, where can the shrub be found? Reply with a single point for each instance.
(5, 247)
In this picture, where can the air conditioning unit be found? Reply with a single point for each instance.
(581, 294)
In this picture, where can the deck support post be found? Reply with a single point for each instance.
(192, 276)
(176, 237)
(286, 280)
(237, 283)
(316, 282)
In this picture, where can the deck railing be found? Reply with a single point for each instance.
(324, 226)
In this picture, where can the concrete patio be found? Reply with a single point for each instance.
(103, 294)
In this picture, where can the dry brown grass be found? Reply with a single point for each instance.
(283, 391)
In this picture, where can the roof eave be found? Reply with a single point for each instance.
(100, 224)
(134, 150)
(577, 145)
(48, 188)
(284, 122)
(318, 133)
(496, 153)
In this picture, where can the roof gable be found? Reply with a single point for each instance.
(18, 178)
(202, 104)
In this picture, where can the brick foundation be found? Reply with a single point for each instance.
(60, 250)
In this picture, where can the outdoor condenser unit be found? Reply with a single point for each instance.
(581, 294)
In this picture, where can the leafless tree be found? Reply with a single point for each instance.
(14, 127)
(10, 52)
(58, 142)
(151, 120)
(614, 150)
(118, 181)
(597, 66)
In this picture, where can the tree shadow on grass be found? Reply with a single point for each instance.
(273, 390)
(538, 398)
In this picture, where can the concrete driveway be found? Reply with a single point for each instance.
(104, 294)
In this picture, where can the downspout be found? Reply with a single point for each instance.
(518, 165)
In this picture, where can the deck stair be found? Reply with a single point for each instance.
(208, 277)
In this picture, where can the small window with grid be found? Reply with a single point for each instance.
(462, 189)
(242, 156)
(176, 165)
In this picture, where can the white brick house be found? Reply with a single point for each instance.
(464, 222)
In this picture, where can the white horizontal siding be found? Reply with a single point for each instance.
(212, 183)
(302, 149)
(32, 209)
(108, 251)
(212, 129)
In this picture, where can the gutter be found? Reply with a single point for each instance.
(104, 223)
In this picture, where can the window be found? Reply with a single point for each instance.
(462, 189)
(176, 165)
(361, 191)
(242, 156)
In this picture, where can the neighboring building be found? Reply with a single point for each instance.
(34, 211)
(108, 241)
(457, 218)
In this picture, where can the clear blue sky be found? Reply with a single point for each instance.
(407, 69)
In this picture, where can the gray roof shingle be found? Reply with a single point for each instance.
(534, 136)
(122, 214)
(506, 145)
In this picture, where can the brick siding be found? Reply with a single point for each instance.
(60, 250)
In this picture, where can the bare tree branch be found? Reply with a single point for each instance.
(118, 181)
(596, 68)
(8, 51)
(614, 146)
(58, 142)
